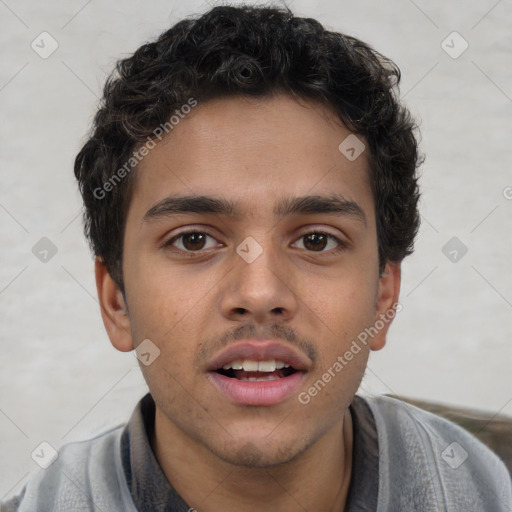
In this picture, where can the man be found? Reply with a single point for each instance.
(250, 190)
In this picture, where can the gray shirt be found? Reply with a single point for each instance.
(404, 460)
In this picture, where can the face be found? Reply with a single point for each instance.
(254, 279)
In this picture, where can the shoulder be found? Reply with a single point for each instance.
(430, 458)
(86, 474)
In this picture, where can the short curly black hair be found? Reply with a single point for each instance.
(255, 51)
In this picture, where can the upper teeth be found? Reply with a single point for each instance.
(249, 365)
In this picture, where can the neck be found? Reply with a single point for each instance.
(318, 479)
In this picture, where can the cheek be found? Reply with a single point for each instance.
(163, 299)
(343, 304)
(166, 307)
(336, 313)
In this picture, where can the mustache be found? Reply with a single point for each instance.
(274, 331)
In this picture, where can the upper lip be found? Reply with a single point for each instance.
(260, 350)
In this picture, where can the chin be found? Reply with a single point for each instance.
(259, 454)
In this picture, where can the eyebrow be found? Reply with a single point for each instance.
(313, 204)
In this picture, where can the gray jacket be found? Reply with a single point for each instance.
(426, 464)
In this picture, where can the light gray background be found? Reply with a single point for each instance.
(61, 379)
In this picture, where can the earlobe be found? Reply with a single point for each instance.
(114, 310)
(387, 301)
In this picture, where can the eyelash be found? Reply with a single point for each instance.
(342, 245)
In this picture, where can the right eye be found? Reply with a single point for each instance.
(190, 241)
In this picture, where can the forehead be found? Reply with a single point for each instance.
(254, 151)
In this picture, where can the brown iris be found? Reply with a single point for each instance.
(315, 241)
(196, 241)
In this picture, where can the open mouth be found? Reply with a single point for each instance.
(258, 379)
(256, 371)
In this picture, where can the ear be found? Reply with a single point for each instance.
(387, 303)
(113, 308)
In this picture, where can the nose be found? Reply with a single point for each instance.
(261, 291)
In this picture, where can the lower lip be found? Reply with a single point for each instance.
(267, 392)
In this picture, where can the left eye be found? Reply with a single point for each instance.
(317, 241)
